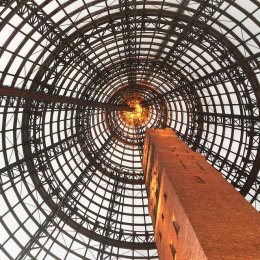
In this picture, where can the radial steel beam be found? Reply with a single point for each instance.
(34, 241)
(36, 154)
(222, 73)
(26, 94)
(183, 5)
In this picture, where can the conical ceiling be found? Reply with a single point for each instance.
(81, 80)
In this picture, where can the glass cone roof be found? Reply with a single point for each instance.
(71, 178)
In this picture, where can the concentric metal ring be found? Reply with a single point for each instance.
(71, 179)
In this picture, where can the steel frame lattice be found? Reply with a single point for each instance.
(71, 178)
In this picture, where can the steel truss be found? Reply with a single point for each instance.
(71, 178)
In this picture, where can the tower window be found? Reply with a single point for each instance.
(160, 236)
(163, 217)
(173, 250)
(176, 227)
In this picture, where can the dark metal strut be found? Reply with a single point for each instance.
(26, 94)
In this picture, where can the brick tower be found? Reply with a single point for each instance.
(196, 213)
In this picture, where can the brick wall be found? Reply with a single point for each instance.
(196, 213)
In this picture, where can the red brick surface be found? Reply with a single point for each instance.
(215, 221)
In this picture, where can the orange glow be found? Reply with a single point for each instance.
(137, 113)
(138, 116)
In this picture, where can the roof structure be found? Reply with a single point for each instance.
(81, 80)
